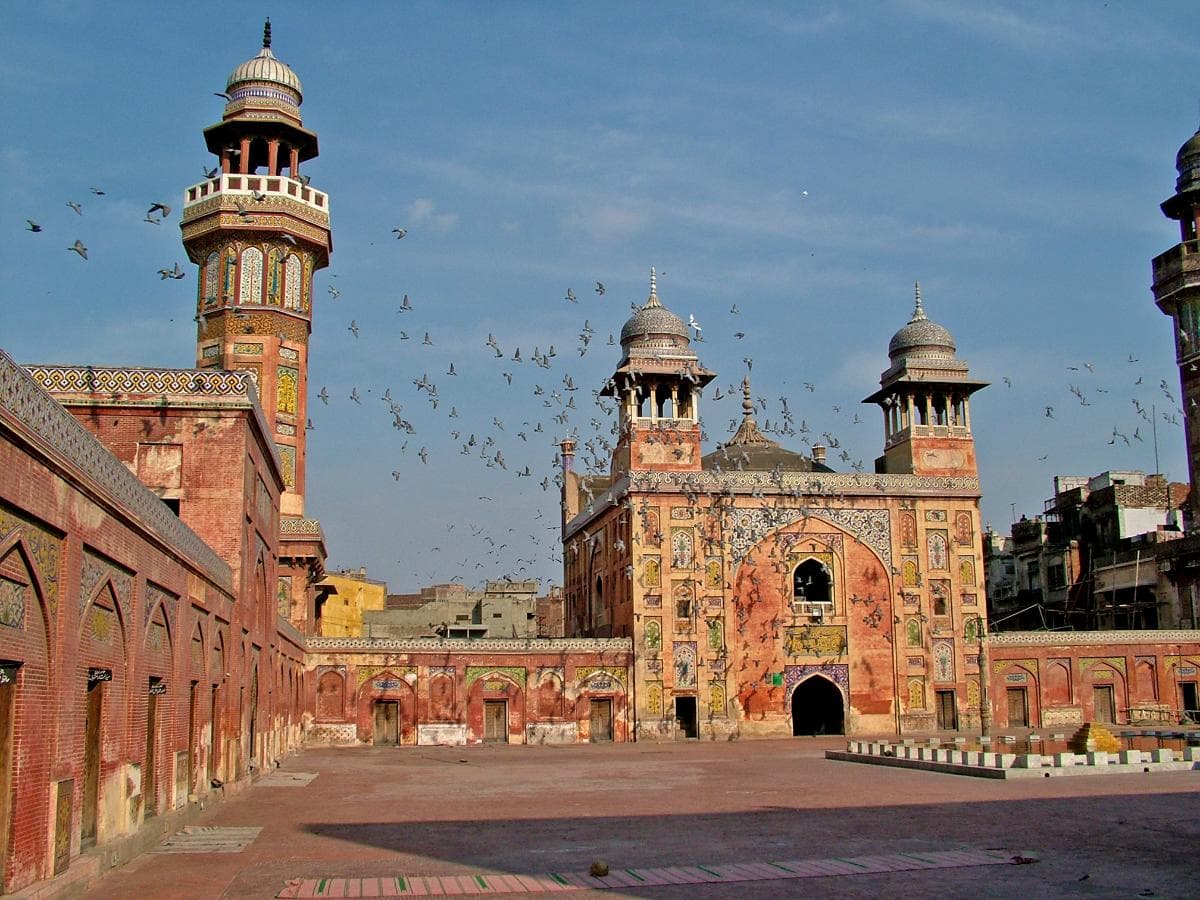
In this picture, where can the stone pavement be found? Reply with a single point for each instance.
(693, 820)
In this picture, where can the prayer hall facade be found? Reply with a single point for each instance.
(766, 594)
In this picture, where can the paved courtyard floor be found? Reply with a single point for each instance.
(677, 820)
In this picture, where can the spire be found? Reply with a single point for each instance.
(267, 34)
(652, 300)
(748, 433)
(919, 310)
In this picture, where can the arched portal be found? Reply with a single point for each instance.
(817, 707)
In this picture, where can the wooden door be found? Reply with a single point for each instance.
(189, 775)
(1018, 708)
(387, 723)
(947, 711)
(93, 710)
(62, 825)
(214, 742)
(8, 692)
(1103, 705)
(495, 721)
(601, 721)
(149, 786)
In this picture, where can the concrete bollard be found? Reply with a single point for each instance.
(1064, 759)
(1029, 761)
(1097, 758)
(1005, 760)
(1162, 755)
(1130, 757)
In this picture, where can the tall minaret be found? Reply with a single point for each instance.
(925, 395)
(258, 231)
(1177, 293)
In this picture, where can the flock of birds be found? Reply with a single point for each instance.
(448, 405)
(80, 248)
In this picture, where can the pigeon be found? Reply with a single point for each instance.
(33, 226)
(160, 208)
(600, 288)
(75, 206)
(176, 273)
(324, 395)
(405, 305)
(399, 233)
(97, 191)
(79, 248)
(571, 296)
(353, 327)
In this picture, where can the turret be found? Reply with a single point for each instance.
(924, 395)
(657, 387)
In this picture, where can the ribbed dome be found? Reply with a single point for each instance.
(1187, 163)
(654, 323)
(921, 335)
(265, 68)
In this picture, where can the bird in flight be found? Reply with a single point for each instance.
(32, 226)
(75, 206)
(405, 305)
(176, 273)
(353, 327)
(159, 208)
(571, 296)
(354, 396)
(399, 233)
(600, 288)
(79, 248)
(324, 395)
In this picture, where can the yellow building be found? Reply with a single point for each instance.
(341, 612)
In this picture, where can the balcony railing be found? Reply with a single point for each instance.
(249, 185)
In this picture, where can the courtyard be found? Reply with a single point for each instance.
(372, 815)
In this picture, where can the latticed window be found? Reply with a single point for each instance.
(252, 276)
(291, 283)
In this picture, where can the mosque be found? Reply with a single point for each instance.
(161, 580)
(766, 594)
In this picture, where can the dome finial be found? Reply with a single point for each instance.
(918, 310)
(267, 34)
(747, 401)
(652, 300)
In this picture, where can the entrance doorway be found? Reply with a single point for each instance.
(149, 785)
(8, 701)
(387, 723)
(1018, 708)
(1189, 699)
(495, 721)
(1104, 705)
(947, 711)
(817, 708)
(600, 730)
(93, 709)
(686, 720)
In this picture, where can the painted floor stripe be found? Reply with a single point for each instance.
(618, 879)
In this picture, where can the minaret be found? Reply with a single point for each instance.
(924, 397)
(258, 231)
(657, 386)
(1177, 293)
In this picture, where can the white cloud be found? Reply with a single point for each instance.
(608, 221)
(422, 212)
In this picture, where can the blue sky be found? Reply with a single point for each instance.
(806, 162)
